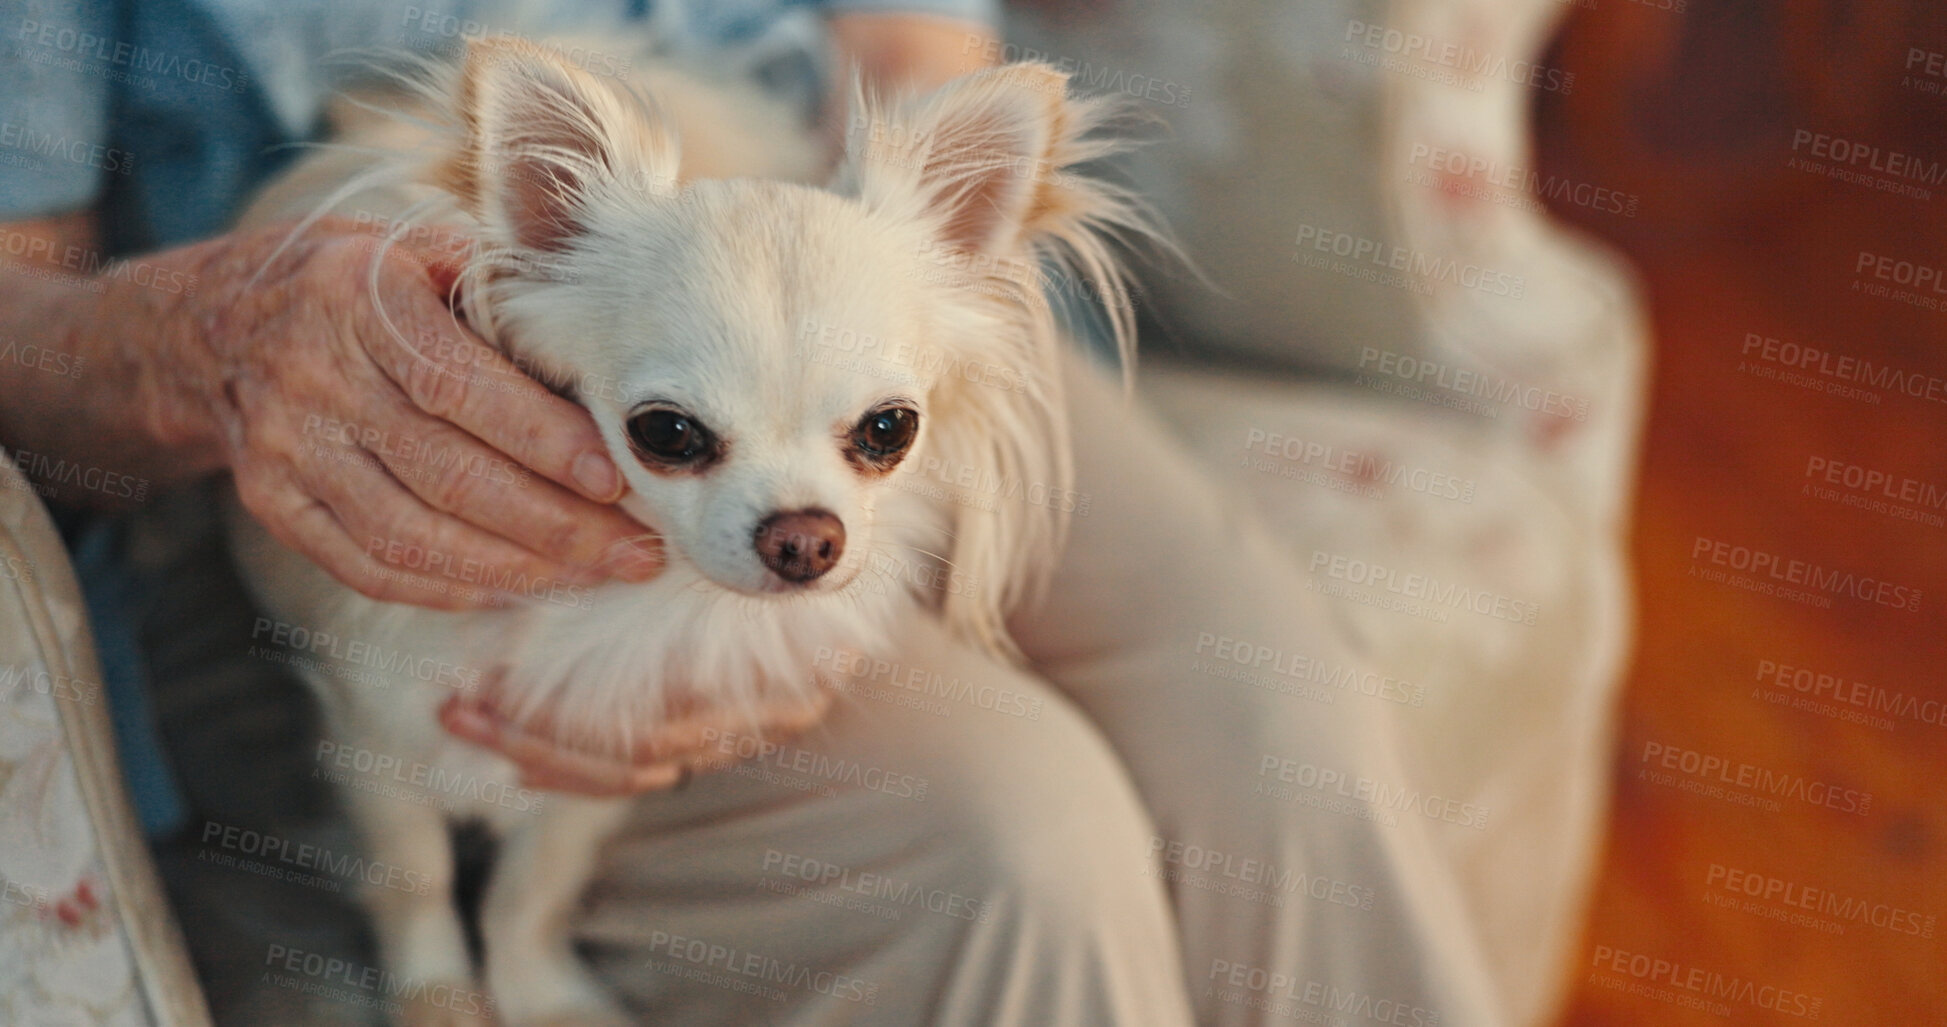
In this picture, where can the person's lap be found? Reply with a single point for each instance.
(955, 844)
(1189, 636)
(1287, 897)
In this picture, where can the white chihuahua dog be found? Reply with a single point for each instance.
(781, 361)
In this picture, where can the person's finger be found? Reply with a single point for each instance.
(414, 541)
(306, 525)
(456, 473)
(657, 777)
(545, 763)
(452, 374)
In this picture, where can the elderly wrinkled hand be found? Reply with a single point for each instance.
(370, 430)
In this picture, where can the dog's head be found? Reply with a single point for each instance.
(792, 378)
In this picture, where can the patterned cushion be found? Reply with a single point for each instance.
(85, 935)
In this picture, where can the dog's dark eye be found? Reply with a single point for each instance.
(670, 436)
(883, 436)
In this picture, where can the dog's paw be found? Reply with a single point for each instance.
(445, 1004)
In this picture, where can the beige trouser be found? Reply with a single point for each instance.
(1122, 836)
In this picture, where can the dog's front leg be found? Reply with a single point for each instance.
(537, 881)
(408, 892)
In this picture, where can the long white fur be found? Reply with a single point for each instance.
(933, 230)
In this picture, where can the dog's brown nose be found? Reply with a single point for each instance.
(801, 545)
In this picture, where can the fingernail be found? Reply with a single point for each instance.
(658, 777)
(597, 476)
(633, 561)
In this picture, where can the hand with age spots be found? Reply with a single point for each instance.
(361, 424)
(365, 427)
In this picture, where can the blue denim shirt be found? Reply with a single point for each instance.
(163, 114)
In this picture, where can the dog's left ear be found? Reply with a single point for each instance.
(987, 158)
(545, 140)
(988, 165)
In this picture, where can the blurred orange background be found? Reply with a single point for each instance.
(1707, 114)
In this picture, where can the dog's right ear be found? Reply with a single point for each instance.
(545, 141)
